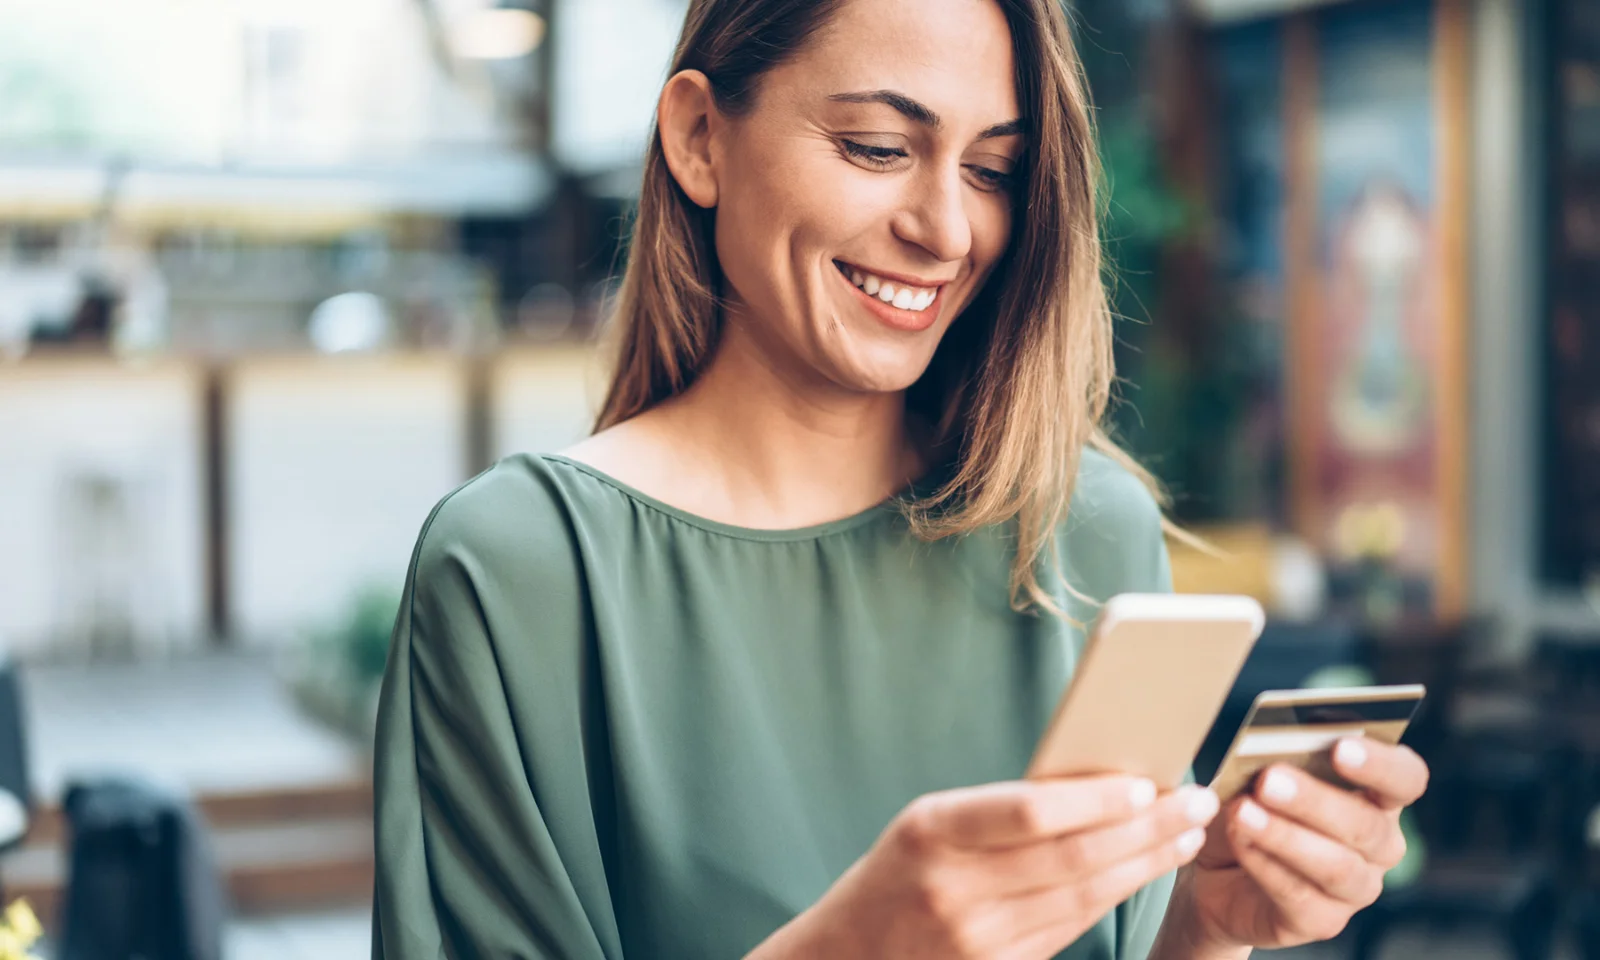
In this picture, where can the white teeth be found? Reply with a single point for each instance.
(903, 297)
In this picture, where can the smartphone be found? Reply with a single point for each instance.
(1152, 679)
(1300, 728)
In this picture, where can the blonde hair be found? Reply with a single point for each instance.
(1017, 390)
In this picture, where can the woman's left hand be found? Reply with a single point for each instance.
(1291, 862)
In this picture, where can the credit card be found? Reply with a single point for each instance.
(1300, 728)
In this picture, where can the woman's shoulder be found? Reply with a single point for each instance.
(1112, 541)
(1111, 501)
(520, 516)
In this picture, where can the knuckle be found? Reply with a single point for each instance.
(917, 825)
(1374, 833)
(1072, 854)
(1084, 899)
(1299, 897)
(968, 940)
(936, 898)
(1396, 852)
(1354, 877)
(1113, 800)
(1029, 813)
(1168, 824)
(1372, 888)
(1328, 924)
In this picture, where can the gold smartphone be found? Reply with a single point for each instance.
(1300, 728)
(1153, 676)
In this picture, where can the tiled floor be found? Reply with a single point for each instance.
(332, 936)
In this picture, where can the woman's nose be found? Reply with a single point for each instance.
(935, 216)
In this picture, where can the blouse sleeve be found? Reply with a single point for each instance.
(469, 863)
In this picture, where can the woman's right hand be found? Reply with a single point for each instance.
(1014, 870)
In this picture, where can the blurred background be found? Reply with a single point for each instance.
(279, 273)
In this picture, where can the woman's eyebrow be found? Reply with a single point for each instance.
(920, 113)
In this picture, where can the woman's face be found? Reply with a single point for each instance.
(864, 198)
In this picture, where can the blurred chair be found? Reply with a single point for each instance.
(1565, 681)
(1586, 902)
(1565, 677)
(142, 878)
(16, 791)
(106, 562)
(1586, 922)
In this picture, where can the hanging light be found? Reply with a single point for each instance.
(498, 34)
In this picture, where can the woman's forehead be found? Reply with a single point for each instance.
(953, 55)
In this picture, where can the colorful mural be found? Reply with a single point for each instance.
(1345, 156)
(1377, 318)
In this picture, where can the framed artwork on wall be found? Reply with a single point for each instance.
(1371, 286)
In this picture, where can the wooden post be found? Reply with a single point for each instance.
(1452, 92)
(1301, 271)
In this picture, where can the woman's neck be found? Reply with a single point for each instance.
(754, 445)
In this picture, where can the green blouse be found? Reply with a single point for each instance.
(613, 729)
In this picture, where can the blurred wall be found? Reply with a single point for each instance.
(1509, 161)
(331, 466)
(101, 506)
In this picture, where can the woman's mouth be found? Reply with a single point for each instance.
(899, 295)
(896, 303)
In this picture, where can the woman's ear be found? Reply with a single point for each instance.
(688, 118)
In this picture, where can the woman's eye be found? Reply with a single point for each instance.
(990, 179)
(872, 155)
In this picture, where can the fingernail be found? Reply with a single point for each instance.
(1278, 787)
(1191, 842)
(1252, 817)
(1201, 806)
(1142, 794)
(1350, 754)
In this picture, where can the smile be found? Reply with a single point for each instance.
(898, 295)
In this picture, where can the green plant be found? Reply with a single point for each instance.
(336, 674)
(361, 644)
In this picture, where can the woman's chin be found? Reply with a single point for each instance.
(882, 370)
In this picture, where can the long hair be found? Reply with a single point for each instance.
(1017, 389)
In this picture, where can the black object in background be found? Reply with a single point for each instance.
(1284, 657)
(15, 776)
(143, 881)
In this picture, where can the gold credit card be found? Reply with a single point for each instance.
(1300, 728)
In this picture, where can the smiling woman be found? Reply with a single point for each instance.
(753, 670)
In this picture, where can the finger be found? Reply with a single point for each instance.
(1217, 853)
(1013, 813)
(1060, 914)
(1058, 860)
(1337, 870)
(1394, 775)
(1350, 818)
(1303, 909)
